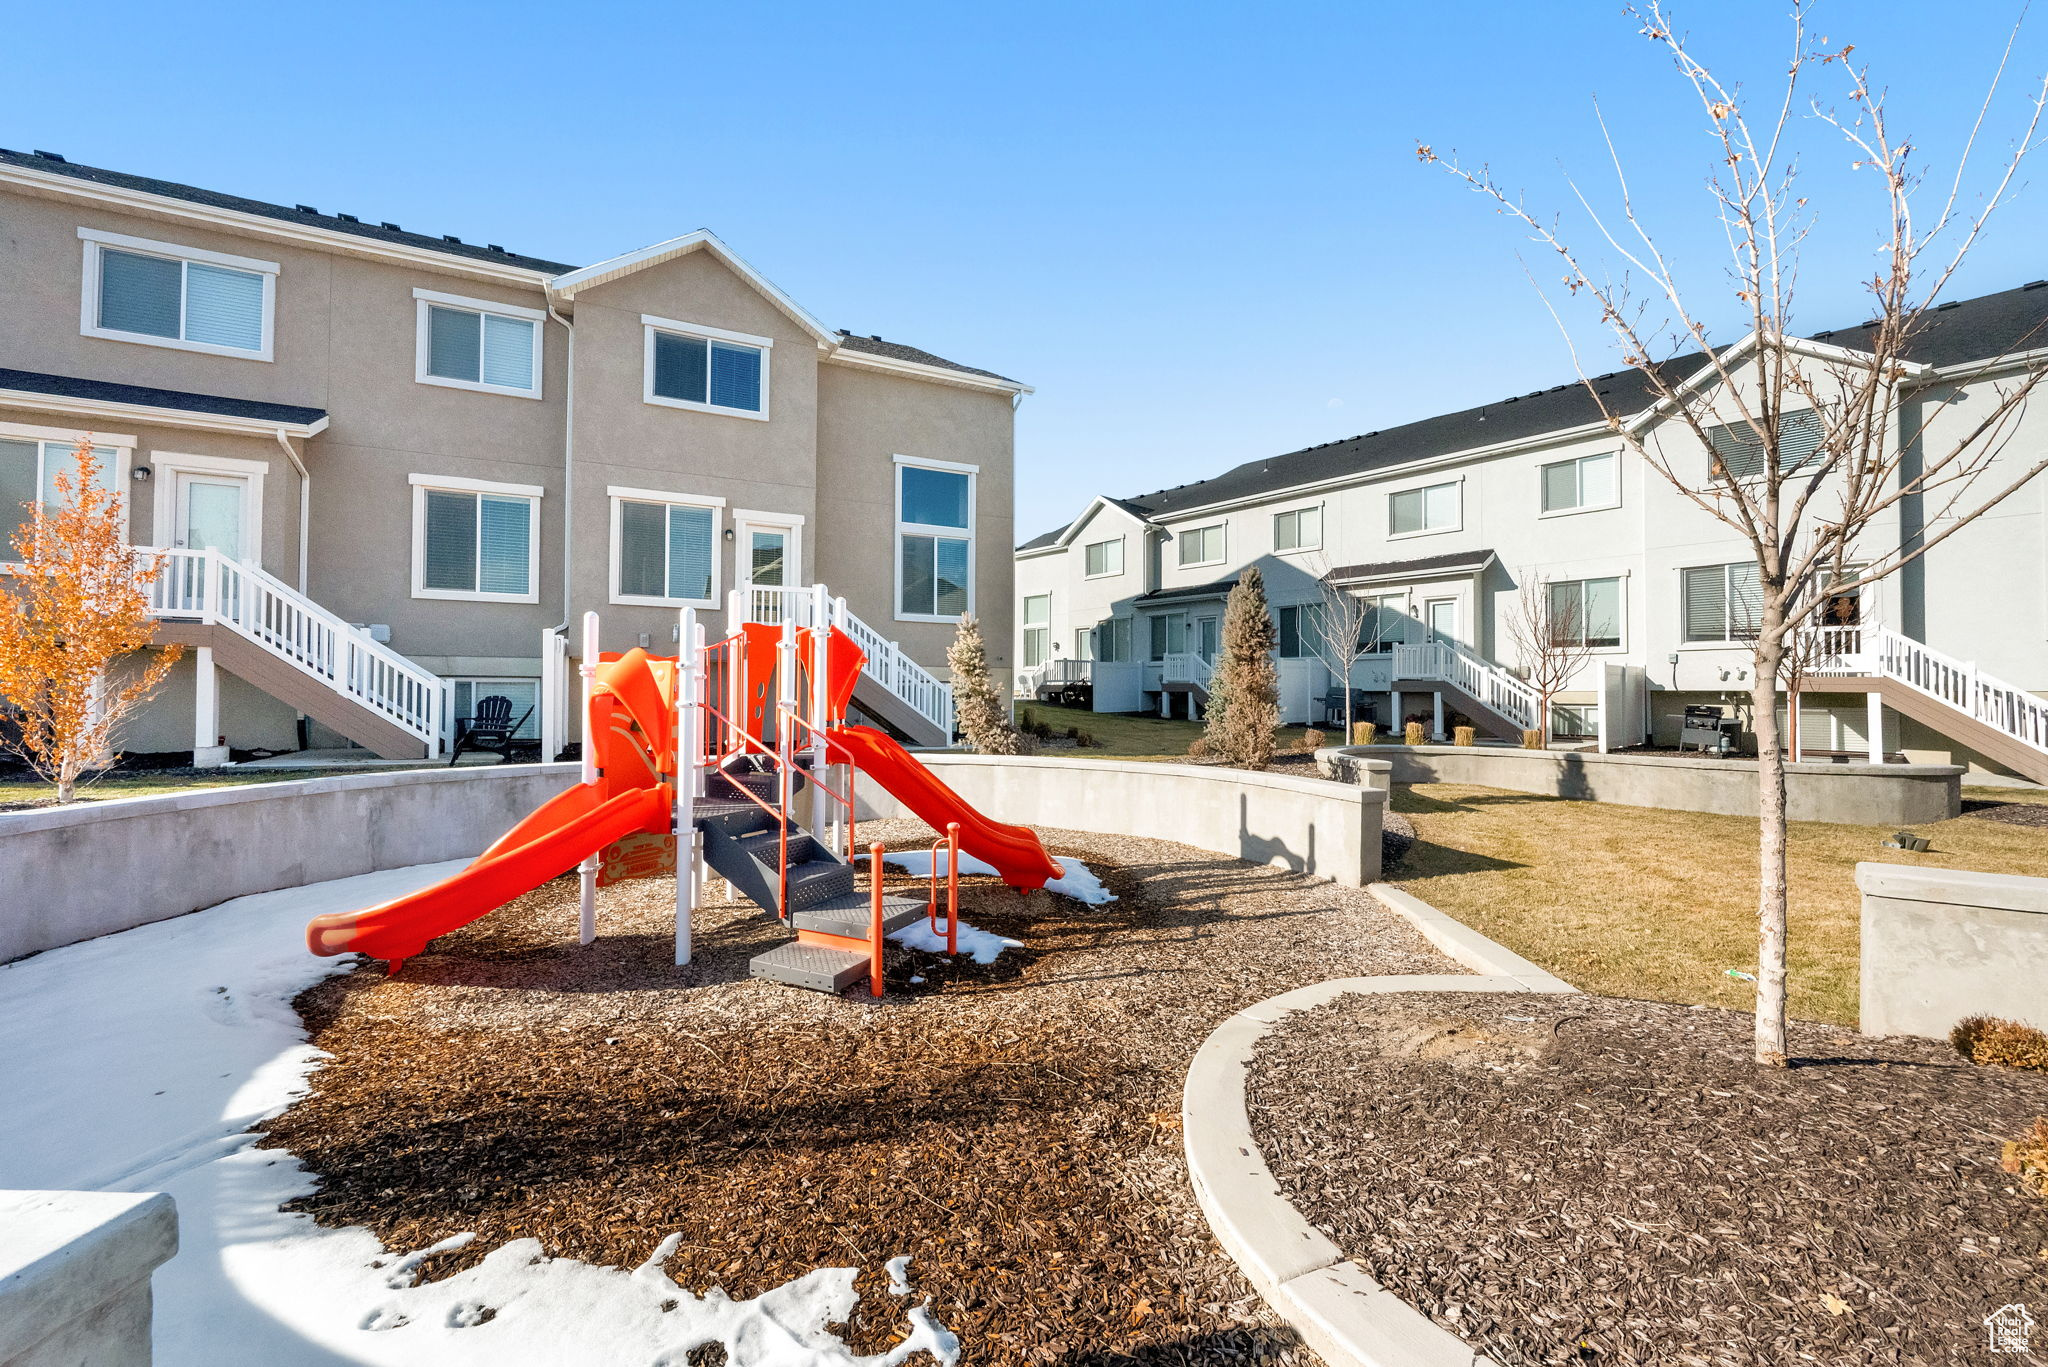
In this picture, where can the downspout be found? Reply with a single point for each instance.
(305, 500)
(568, 460)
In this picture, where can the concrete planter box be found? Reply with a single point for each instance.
(74, 873)
(1943, 944)
(1851, 794)
(74, 1275)
(1304, 824)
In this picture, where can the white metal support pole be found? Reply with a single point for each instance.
(785, 709)
(552, 685)
(586, 872)
(1437, 714)
(1873, 701)
(821, 640)
(207, 751)
(689, 754)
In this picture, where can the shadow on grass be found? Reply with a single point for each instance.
(1423, 860)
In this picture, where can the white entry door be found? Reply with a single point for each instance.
(210, 511)
(770, 551)
(1441, 616)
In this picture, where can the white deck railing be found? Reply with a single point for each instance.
(1477, 678)
(206, 586)
(887, 664)
(1053, 673)
(1879, 652)
(1186, 667)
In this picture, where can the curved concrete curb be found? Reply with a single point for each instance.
(1346, 1316)
(1465, 944)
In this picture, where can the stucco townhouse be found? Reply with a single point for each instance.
(1437, 525)
(389, 469)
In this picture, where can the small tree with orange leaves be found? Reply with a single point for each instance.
(76, 602)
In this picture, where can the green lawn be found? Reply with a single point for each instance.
(1132, 735)
(1642, 902)
(18, 791)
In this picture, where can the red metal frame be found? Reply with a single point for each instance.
(875, 919)
(951, 845)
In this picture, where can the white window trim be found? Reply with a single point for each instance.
(422, 325)
(1221, 556)
(1541, 512)
(1318, 509)
(168, 465)
(973, 473)
(124, 451)
(791, 525)
(1726, 643)
(1116, 573)
(89, 300)
(1624, 576)
(650, 324)
(473, 680)
(620, 494)
(1457, 526)
(456, 485)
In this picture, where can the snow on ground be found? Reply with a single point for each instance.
(138, 1062)
(1080, 882)
(982, 946)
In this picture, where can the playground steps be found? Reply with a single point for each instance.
(743, 844)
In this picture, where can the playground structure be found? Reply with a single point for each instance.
(700, 763)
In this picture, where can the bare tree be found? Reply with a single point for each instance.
(1810, 462)
(1333, 628)
(1550, 636)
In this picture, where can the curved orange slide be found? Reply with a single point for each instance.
(1013, 851)
(560, 833)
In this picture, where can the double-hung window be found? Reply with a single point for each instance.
(163, 294)
(475, 539)
(1037, 629)
(1202, 545)
(1298, 530)
(477, 344)
(1433, 508)
(1571, 486)
(934, 540)
(705, 369)
(1104, 558)
(1739, 451)
(28, 474)
(1720, 602)
(665, 548)
(1586, 612)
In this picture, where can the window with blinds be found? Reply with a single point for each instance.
(475, 545)
(1037, 629)
(1720, 602)
(174, 300)
(28, 475)
(473, 348)
(706, 372)
(665, 552)
(1586, 612)
(1739, 451)
(934, 542)
(1431, 509)
(1113, 640)
(1104, 558)
(1581, 483)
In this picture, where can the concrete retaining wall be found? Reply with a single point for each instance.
(1943, 944)
(73, 873)
(1305, 824)
(74, 1275)
(1853, 794)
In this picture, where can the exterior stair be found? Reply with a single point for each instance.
(2000, 721)
(743, 844)
(894, 691)
(1494, 699)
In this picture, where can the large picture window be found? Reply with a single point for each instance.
(664, 548)
(475, 540)
(709, 370)
(934, 541)
(1202, 546)
(167, 295)
(28, 474)
(1721, 602)
(1570, 486)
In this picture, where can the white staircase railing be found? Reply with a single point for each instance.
(1186, 667)
(1477, 678)
(206, 586)
(916, 686)
(1879, 652)
(1054, 672)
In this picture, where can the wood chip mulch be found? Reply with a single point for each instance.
(1591, 1180)
(1013, 1127)
(2010, 813)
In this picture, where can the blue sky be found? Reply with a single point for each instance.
(1200, 230)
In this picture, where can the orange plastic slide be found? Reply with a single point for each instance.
(1013, 851)
(555, 837)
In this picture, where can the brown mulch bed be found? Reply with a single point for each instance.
(2020, 813)
(1570, 1179)
(1013, 1127)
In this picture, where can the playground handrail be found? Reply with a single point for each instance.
(950, 843)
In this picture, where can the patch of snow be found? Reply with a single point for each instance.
(139, 1062)
(1080, 882)
(982, 946)
(899, 1275)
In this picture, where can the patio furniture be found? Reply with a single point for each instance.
(491, 729)
(1361, 708)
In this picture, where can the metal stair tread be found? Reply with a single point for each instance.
(850, 914)
(818, 967)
